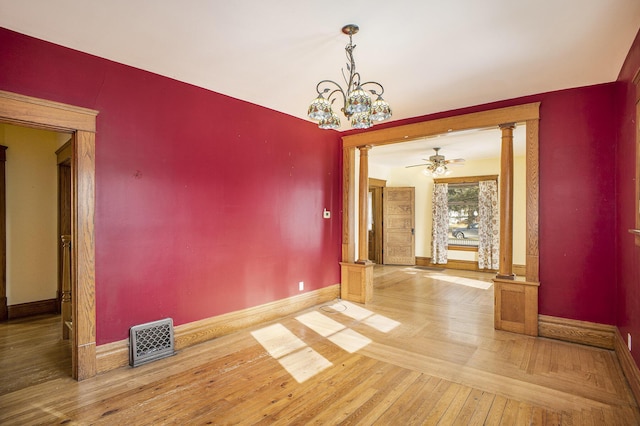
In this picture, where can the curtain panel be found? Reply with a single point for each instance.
(440, 225)
(489, 225)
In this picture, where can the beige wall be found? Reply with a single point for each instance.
(31, 191)
(424, 188)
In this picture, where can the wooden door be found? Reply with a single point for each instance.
(398, 224)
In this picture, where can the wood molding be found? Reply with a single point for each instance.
(377, 183)
(583, 332)
(528, 113)
(83, 257)
(628, 364)
(39, 307)
(458, 265)
(532, 208)
(408, 132)
(44, 114)
(454, 247)
(4, 310)
(116, 354)
(466, 179)
(520, 270)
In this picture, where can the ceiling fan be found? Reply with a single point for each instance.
(436, 165)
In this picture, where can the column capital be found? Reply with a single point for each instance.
(507, 126)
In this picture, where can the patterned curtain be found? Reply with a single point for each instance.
(489, 225)
(439, 230)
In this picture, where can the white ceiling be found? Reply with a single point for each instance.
(430, 55)
(467, 144)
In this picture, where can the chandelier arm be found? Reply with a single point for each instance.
(373, 91)
(327, 89)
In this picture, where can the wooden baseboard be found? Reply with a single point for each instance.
(116, 354)
(583, 332)
(628, 364)
(460, 265)
(28, 309)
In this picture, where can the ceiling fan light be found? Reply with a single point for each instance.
(357, 101)
(380, 110)
(361, 120)
(333, 122)
(319, 109)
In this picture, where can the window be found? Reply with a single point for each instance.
(463, 214)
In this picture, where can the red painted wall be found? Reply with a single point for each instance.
(198, 216)
(205, 204)
(628, 254)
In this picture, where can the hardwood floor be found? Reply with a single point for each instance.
(423, 352)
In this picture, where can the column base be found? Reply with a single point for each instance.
(356, 281)
(506, 277)
(516, 306)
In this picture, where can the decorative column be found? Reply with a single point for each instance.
(515, 301)
(357, 278)
(505, 270)
(363, 206)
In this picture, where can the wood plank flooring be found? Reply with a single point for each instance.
(423, 352)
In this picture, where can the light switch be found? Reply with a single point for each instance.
(326, 214)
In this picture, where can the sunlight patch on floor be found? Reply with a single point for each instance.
(293, 354)
(463, 281)
(304, 364)
(381, 323)
(278, 340)
(321, 324)
(373, 320)
(347, 339)
(350, 340)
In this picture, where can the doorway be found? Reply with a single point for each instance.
(81, 122)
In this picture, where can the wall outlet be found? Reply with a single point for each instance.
(326, 214)
(629, 341)
(301, 285)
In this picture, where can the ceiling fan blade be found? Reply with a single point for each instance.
(455, 160)
(416, 165)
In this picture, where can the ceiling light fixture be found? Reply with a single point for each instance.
(357, 105)
(437, 170)
(437, 165)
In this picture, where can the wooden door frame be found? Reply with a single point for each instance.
(375, 187)
(42, 114)
(527, 113)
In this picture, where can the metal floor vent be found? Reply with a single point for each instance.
(150, 341)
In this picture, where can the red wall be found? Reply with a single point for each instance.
(577, 199)
(204, 204)
(198, 216)
(628, 254)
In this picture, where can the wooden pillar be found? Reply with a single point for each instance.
(357, 278)
(505, 270)
(363, 206)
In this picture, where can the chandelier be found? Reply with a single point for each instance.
(357, 105)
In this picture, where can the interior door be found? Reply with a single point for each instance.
(398, 224)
